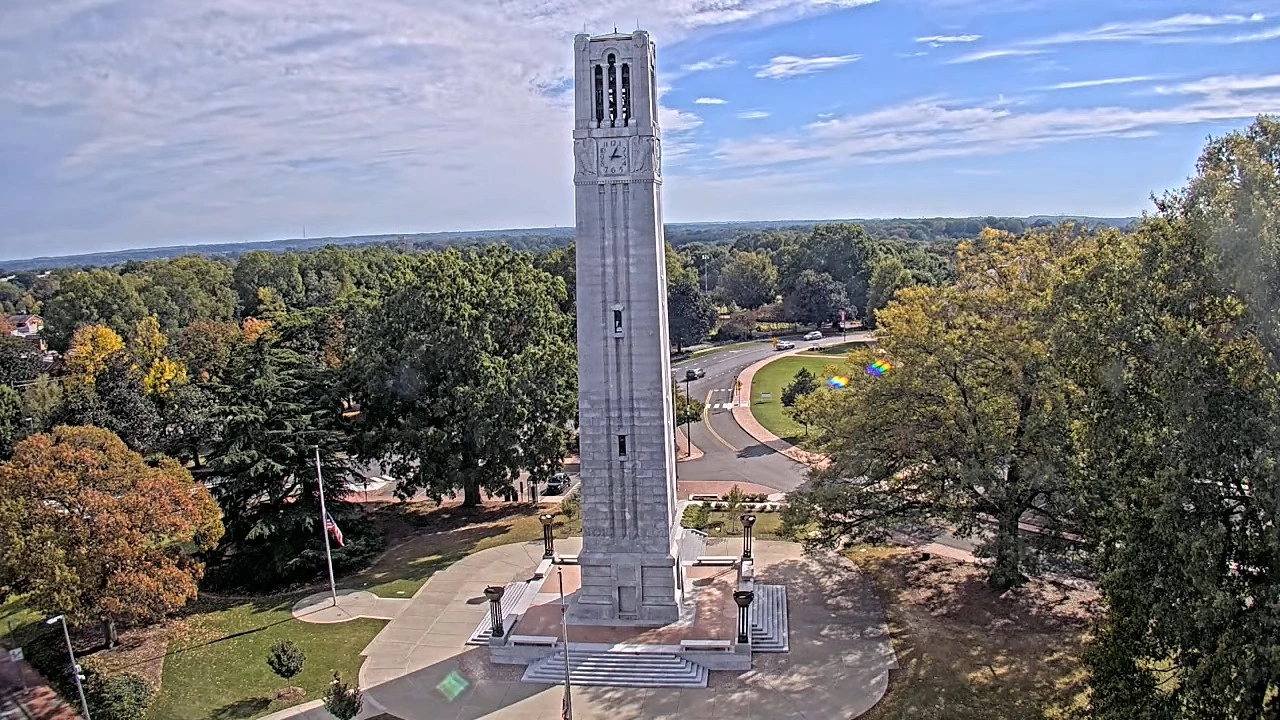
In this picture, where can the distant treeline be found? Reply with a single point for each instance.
(541, 239)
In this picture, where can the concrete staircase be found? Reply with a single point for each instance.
(618, 668)
(515, 600)
(768, 615)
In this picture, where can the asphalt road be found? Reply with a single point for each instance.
(729, 453)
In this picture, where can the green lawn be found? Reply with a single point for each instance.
(767, 526)
(771, 379)
(839, 349)
(220, 672)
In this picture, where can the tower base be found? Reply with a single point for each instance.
(626, 589)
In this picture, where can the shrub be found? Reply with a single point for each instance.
(570, 506)
(285, 658)
(343, 701)
(125, 696)
(696, 516)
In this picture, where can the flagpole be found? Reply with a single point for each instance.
(324, 529)
(566, 710)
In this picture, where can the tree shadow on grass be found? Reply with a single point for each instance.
(245, 708)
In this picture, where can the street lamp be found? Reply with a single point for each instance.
(75, 668)
(747, 522)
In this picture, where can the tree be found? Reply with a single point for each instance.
(343, 700)
(815, 298)
(842, 251)
(1168, 335)
(466, 376)
(12, 427)
(889, 277)
(96, 297)
(91, 346)
(285, 658)
(690, 313)
(801, 384)
(966, 428)
(687, 410)
(92, 531)
(275, 408)
(41, 401)
(205, 348)
(751, 280)
(261, 269)
(189, 422)
(116, 401)
(186, 289)
(19, 360)
(733, 505)
(738, 326)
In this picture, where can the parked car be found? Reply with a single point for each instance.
(815, 335)
(784, 345)
(694, 373)
(557, 485)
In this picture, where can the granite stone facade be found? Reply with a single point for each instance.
(624, 368)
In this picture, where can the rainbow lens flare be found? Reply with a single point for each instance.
(879, 367)
(838, 381)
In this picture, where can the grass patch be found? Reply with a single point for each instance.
(219, 670)
(839, 349)
(967, 652)
(425, 540)
(14, 612)
(767, 526)
(771, 379)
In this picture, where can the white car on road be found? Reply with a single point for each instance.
(815, 335)
(784, 345)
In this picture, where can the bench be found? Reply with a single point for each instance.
(716, 560)
(719, 645)
(540, 640)
(566, 559)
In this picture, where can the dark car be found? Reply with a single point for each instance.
(557, 484)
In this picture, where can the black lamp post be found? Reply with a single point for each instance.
(688, 429)
(494, 594)
(548, 542)
(747, 522)
(743, 598)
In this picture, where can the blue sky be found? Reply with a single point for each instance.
(130, 123)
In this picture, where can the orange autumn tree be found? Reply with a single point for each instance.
(92, 531)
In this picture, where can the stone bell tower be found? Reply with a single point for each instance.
(624, 366)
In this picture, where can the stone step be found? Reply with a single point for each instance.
(618, 669)
(515, 593)
(768, 616)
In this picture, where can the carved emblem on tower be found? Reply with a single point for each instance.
(584, 152)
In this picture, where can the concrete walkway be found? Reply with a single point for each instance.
(351, 604)
(419, 667)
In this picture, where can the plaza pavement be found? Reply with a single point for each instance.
(419, 667)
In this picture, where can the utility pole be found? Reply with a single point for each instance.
(75, 667)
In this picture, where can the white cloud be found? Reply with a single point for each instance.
(1100, 82)
(943, 39)
(990, 54)
(674, 121)
(753, 115)
(1160, 30)
(933, 128)
(710, 101)
(785, 66)
(1223, 84)
(712, 64)
(168, 121)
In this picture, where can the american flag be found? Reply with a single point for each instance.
(332, 527)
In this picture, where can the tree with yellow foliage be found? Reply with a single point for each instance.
(91, 347)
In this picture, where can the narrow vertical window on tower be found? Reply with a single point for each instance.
(653, 92)
(613, 92)
(599, 95)
(626, 94)
(617, 319)
(622, 446)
